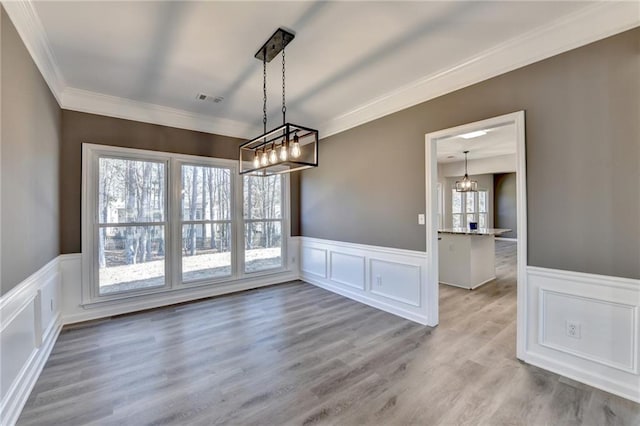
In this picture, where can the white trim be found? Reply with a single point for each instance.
(29, 27)
(431, 179)
(390, 299)
(586, 363)
(603, 19)
(376, 303)
(506, 239)
(593, 23)
(173, 224)
(472, 288)
(26, 289)
(585, 278)
(74, 311)
(587, 377)
(113, 106)
(632, 367)
(26, 299)
(361, 247)
(362, 270)
(107, 309)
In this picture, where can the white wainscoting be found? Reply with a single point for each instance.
(389, 279)
(30, 325)
(605, 352)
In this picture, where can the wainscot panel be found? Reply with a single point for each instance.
(314, 261)
(386, 278)
(585, 327)
(30, 325)
(348, 269)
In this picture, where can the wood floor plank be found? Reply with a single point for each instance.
(295, 354)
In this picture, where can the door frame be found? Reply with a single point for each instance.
(431, 209)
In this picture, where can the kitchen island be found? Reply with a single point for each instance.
(466, 258)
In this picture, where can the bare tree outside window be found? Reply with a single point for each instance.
(157, 221)
(263, 222)
(132, 224)
(206, 222)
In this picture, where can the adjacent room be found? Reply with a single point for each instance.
(314, 212)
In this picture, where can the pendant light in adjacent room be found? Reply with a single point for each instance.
(466, 184)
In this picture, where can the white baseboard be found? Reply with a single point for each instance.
(606, 309)
(390, 279)
(469, 288)
(74, 311)
(580, 375)
(31, 323)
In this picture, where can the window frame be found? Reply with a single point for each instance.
(177, 221)
(91, 153)
(285, 228)
(464, 223)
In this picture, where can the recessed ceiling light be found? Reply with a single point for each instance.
(472, 135)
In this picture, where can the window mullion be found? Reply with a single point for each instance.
(175, 183)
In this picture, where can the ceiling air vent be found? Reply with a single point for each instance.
(209, 98)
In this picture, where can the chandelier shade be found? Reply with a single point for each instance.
(286, 148)
(466, 184)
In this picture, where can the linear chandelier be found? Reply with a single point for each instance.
(466, 184)
(288, 147)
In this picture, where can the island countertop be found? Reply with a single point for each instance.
(479, 231)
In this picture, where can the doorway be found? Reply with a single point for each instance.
(434, 213)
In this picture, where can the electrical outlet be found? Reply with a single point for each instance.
(421, 219)
(293, 259)
(573, 329)
(379, 280)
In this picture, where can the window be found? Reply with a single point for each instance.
(155, 222)
(262, 222)
(131, 225)
(206, 222)
(469, 207)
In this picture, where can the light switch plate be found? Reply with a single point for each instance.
(421, 219)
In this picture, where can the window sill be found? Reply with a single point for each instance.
(193, 291)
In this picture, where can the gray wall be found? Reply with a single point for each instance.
(78, 127)
(505, 213)
(30, 127)
(583, 160)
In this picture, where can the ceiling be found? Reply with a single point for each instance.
(350, 62)
(496, 142)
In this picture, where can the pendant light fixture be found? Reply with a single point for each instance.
(288, 147)
(466, 184)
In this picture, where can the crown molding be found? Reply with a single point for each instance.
(596, 22)
(588, 25)
(113, 106)
(27, 23)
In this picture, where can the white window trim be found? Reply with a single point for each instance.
(476, 212)
(173, 263)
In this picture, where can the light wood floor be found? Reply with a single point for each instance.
(296, 354)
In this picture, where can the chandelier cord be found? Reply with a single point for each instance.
(264, 91)
(284, 104)
(465, 162)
